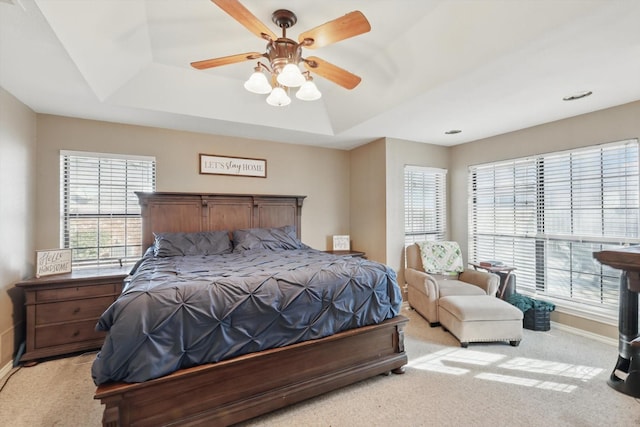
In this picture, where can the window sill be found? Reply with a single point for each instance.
(592, 314)
(578, 310)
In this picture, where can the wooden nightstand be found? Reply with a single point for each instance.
(62, 310)
(348, 253)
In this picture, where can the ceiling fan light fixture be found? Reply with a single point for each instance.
(308, 91)
(291, 76)
(278, 97)
(258, 83)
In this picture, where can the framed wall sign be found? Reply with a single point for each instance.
(237, 166)
(53, 261)
(341, 243)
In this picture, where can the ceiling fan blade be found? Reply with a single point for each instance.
(349, 25)
(225, 60)
(332, 72)
(246, 18)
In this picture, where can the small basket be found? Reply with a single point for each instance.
(537, 320)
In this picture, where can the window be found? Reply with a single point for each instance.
(100, 214)
(546, 215)
(425, 204)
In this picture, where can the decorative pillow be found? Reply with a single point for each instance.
(201, 243)
(441, 257)
(266, 238)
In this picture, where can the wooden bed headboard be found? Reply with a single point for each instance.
(193, 212)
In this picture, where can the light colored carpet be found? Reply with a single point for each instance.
(553, 378)
(52, 393)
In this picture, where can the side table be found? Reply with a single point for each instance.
(63, 309)
(504, 279)
(625, 377)
(347, 253)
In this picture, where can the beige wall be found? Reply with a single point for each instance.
(367, 205)
(609, 125)
(17, 206)
(377, 195)
(318, 173)
(358, 192)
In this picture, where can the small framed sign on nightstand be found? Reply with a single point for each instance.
(53, 261)
(341, 243)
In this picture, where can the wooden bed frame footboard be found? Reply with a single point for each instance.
(244, 387)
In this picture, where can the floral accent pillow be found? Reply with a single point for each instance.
(441, 257)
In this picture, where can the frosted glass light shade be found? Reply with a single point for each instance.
(278, 97)
(291, 76)
(308, 91)
(258, 83)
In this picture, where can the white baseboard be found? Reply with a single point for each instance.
(5, 370)
(587, 334)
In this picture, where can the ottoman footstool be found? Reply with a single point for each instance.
(480, 318)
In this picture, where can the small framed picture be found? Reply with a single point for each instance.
(341, 243)
(53, 261)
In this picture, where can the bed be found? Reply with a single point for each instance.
(331, 320)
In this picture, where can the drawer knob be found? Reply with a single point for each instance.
(76, 310)
(76, 333)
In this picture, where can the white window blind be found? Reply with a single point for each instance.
(100, 214)
(425, 204)
(546, 215)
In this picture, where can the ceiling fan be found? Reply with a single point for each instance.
(285, 55)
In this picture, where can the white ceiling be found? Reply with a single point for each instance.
(483, 66)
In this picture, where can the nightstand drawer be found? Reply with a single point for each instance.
(75, 292)
(79, 309)
(62, 310)
(48, 336)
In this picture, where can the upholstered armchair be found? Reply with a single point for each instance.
(425, 288)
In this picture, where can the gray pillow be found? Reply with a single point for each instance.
(201, 243)
(266, 238)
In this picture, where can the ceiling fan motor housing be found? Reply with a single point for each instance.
(281, 52)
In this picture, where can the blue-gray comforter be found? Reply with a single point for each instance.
(184, 311)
